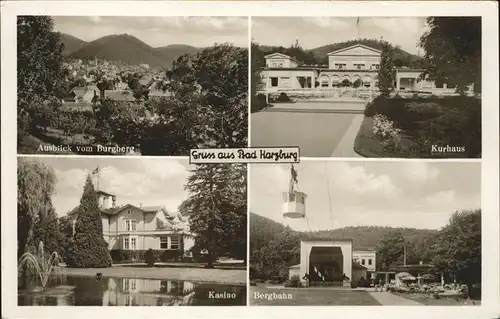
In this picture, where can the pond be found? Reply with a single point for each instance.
(88, 291)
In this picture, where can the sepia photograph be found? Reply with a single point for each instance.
(394, 87)
(131, 232)
(365, 233)
(94, 85)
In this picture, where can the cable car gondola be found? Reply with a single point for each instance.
(294, 201)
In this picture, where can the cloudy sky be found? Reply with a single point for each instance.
(151, 182)
(314, 32)
(159, 31)
(398, 194)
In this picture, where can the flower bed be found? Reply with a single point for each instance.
(446, 127)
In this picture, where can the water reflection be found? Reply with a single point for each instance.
(86, 291)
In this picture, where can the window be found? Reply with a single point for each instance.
(174, 243)
(362, 261)
(126, 243)
(340, 65)
(133, 243)
(163, 242)
(375, 66)
(274, 82)
(359, 66)
(369, 261)
(130, 224)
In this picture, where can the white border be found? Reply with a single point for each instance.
(490, 188)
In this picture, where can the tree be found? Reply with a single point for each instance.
(66, 236)
(386, 73)
(346, 83)
(217, 210)
(453, 51)
(39, 66)
(258, 101)
(456, 250)
(89, 250)
(391, 251)
(46, 230)
(35, 189)
(214, 82)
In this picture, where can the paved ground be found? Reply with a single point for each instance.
(260, 295)
(320, 129)
(216, 276)
(387, 299)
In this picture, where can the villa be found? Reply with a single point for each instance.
(355, 64)
(129, 227)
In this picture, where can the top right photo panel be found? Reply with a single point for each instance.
(374, 87)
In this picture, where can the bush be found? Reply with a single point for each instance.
(283, 97)
(150, 258)
(258, 103)
(294, 282)
(354, 284)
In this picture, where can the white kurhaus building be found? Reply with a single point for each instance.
(355, 63)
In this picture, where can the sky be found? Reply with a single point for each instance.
(150, 181)
(159, 31)
(313, 32)
(397, 194)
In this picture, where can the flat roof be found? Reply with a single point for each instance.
(328, 239)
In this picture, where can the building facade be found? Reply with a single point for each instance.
(354, 66)
(129, 227)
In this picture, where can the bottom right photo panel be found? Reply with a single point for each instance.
(365, 233)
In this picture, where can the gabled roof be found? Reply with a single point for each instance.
(104, 193)
(355, 46)
(279, 55)
(117, 210)
(151, 209)
(119, 95)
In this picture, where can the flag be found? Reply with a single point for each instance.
(96, 170)
(294, 174)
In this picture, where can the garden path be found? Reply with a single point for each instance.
(387, 299)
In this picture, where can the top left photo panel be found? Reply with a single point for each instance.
(117, 85)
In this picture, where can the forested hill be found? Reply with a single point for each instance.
(124, 48)
(319, 55)
(263, 230)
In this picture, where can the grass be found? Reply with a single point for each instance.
(453, 121)
(430, 301)
(314, 297)
(214, 276)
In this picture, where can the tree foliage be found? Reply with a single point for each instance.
(217, 209)
(391, 251)
(39, 66)
(34, 205)
(89, 250)
(456, 249)
(386, 73)
(453, 51)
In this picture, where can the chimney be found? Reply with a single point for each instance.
(114, 202)
(140, 205)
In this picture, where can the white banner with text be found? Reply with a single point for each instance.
(245, 155)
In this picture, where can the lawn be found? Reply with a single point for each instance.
(430, 301)
(214, 276)
(448, 122)
(313, 297)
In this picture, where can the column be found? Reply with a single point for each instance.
(398, 85)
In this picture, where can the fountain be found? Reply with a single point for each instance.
(43, 267)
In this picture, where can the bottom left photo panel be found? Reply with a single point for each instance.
(131, 232)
